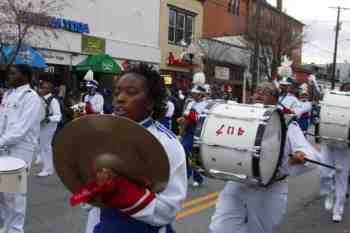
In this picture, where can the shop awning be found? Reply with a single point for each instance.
(99, 63)
(26, 56)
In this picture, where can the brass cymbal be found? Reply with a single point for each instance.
(105, 141)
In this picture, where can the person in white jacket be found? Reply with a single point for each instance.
(139, 95)
(53, 116)
(243, 208)
(94, 101)
(20, 115)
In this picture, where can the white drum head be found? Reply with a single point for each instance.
(270, 148)
(8, 164)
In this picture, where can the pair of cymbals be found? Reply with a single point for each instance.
(93, 142)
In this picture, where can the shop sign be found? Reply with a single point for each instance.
(168, 80)
(173, 61)
(50, 69)
(222, 73)
(107, 66)
(55, 57)
(54, 22)
(91, 44)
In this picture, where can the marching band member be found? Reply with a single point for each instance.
(334, 184)
(93, 100)
(20, 116)
(287, 100)
(53, 116)
(170, 110)
(304, 109)
(191, 117)
(250, 209)
(139, 95)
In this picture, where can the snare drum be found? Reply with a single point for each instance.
(243, 143)
(13, 175)
(335, 117)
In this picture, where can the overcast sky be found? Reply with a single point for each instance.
(320, 24)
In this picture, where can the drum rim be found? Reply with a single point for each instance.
(258, 141)
(15, 171)
(22, 164)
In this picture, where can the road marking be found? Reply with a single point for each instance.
(199, 200)
(195, 210)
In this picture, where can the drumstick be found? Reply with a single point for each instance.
(320, 164)
(313, 135)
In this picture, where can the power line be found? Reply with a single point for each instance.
(337, 29)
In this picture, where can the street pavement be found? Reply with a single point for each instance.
(49, 211)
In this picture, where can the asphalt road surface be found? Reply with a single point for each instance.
(48, 209)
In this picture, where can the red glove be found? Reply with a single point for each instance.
(90, 191)
(118, 193)
(287, 110)
(88, 108)
(192, 117)
(127, 196)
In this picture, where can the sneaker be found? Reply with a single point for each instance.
(337, 218)
(37, 161)
(196, 184)
(44, 174)
(329, 202)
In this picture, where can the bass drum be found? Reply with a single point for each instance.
(241, 142)
(335, 117)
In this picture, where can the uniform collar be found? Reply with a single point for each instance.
(47, 96)
(147, 122)
(22, 88)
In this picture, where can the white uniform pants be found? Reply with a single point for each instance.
(244, 209)
(93, 219)
(46, 135)
(335, 182)
(13, 205)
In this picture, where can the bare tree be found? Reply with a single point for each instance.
(25, 22)
(278, 35)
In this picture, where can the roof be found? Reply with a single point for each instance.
(229, 49)
(268, 5)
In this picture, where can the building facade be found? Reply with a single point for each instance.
(181, 21)
(128, 32)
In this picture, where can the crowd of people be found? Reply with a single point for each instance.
(29, 120)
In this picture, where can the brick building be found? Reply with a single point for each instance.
(234, 17)
(232, 20)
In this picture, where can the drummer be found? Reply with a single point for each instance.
(139, 95)
(334, 185)
(20, 115)
(251, 209)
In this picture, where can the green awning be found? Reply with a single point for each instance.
(99, 63)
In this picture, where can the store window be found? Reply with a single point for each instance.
(181, 26)
(233, 7)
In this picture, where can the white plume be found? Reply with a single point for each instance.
(89, 76)
(198, 78)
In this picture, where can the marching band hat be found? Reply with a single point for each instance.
(198, 89)
(92, 83)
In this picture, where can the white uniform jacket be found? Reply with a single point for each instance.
(55, 114)
(162, 210)
(21, 112)
(288, 101)
(97, 102)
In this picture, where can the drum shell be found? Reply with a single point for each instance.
(216, 150)
(335, 117)
(14, 181)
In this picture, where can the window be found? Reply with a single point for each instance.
(233, 7)
(181, 26)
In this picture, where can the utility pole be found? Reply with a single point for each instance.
(337, 29)
(256, 45)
